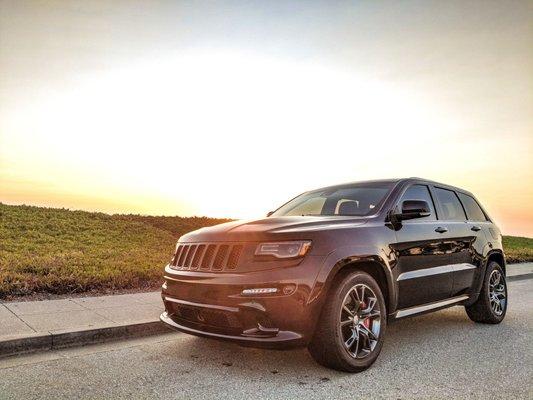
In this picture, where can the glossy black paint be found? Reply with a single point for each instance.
(211, 304)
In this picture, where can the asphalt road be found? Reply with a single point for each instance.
(439, 355)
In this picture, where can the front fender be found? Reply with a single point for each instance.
(348, 255)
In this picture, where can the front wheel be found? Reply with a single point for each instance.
(351, 328)
(491, 305)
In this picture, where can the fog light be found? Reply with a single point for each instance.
(251, 292)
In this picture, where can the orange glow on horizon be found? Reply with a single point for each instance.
(205, 118)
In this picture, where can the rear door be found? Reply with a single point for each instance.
(462, 238)
(424, 251)
(478, 227)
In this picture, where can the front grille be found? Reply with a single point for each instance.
(207, 256)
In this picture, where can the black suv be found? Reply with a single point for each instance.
(332, 267)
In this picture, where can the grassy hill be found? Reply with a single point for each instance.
(58, 251)
(46, 250)
(518, 249)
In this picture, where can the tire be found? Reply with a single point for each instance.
(491, 305)
(335, 346)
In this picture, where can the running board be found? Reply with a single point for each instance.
(426, 307)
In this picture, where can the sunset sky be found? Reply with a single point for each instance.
(231, 108)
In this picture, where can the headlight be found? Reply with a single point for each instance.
(284, 249)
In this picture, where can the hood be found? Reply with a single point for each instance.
(271, 228)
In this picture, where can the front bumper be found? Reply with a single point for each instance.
(212, 305)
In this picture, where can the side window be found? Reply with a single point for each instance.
(451, 207)
(473, 210)
(420, 192)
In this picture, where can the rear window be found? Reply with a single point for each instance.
(473, 210)
(450, 204)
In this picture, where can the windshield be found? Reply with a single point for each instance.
(355, 200)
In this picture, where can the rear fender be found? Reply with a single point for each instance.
(480, 277)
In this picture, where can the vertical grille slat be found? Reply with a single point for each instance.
(197, 256)
(208, 256)
(218, 264)
(177, 255)
(190, 254)
(183, 254)
(234, 256)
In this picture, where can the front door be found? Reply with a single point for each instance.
(426, 250)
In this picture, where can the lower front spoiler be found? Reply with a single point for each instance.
(282, 340)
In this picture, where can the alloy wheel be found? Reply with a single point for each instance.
(497, 292)
(360, 321)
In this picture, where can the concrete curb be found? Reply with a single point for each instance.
(28, 343)
(64, 339)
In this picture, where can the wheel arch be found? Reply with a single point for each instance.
(372, 265)
(376, 271)
(493, 255)
(499, 257)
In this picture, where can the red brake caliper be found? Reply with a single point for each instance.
(366, 321)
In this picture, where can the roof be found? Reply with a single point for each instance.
(434, 183)
(397, 180)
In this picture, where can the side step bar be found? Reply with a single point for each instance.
(405, 312)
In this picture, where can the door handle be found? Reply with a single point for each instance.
(476, 228)
(441, 229)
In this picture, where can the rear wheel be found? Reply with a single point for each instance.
(349, 334)
(491, 305)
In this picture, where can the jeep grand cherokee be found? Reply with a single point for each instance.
(332, 267)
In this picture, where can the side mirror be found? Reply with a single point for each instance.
(412, 209)
(270, 213)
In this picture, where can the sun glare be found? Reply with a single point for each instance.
(216, 133)
(230, 134)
